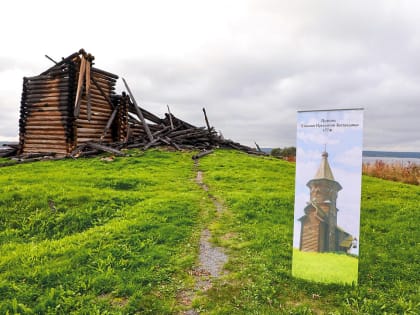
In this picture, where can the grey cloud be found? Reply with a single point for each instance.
(285, 56)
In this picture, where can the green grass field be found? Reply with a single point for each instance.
(325, 267)
(91, 237)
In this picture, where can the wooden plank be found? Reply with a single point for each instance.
(47, 89)
(41, 78)
(47, 118)
(105, 95)
(47, 99)
(62, 62)
(46, 93)
(90, 129)
(104, 73)
(111, 119)
(105, 148)
(45, 137)
(97, 112)
(47, 103)
(97, 104)
(29, 140)
(93, 122)
(79, 86)
(95, 92)
(61, 132)
(48, 127)
(207, 121)
(46, 113)
(33, 126)
(170, 117)
(104, 82)
(84, 139)
(201, 154)
(44, 148)
(95, 117)
(139, 113)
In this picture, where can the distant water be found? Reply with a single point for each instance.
(391, 157)
(385, 156)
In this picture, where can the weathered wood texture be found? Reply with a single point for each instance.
(68, 105)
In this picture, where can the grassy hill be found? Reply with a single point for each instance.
(94, 237)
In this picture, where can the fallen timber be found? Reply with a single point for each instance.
(72, 110)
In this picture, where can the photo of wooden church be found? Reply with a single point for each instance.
(319, 230)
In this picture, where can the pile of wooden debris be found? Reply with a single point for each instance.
(72, 110)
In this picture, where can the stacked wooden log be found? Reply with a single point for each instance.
(67, 105)
(72, 110)
(169, 132)
(10, 149)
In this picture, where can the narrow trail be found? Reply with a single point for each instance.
(211, 258)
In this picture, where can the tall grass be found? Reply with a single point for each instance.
(257, 230)
(408, 173)
(91, 237)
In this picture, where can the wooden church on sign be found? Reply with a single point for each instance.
(319, 230)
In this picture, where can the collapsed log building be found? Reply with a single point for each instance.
(68, 105)
(72, 109)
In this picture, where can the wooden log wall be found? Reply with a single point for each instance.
(45, 123)
(47, 118)
(121, 123)
(101, 110)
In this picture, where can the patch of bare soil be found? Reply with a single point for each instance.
(211, 258)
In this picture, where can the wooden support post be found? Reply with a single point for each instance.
(139, 113)
(110, 120)
(258, 147)
(207, 121)
(79, 87)
(48, 57)
(89, 106)
(170, 117)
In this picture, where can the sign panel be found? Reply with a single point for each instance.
(327, 195)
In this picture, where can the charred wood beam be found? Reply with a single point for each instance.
(49, 58)
(104, 148)
(170, 117)
(201, 154)
(109, 123)
(207, 121)
(63, 61)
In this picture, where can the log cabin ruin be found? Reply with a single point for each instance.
(69, 105)
(72, 110)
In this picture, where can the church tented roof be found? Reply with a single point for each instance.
(324, 171)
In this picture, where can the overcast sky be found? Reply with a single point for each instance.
(252, 64)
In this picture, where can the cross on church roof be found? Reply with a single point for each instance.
(324, 170)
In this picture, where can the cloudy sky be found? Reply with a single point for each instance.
(252, 64)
